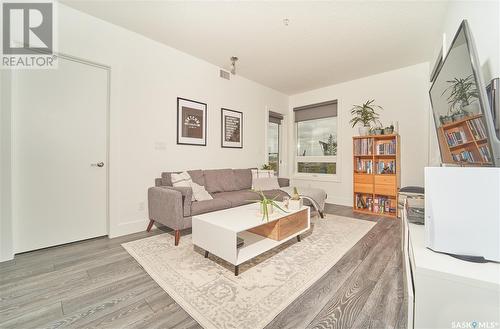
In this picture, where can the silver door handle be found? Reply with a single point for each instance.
(99, 164)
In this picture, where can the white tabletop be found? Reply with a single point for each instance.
(441, 264)
(247, 216)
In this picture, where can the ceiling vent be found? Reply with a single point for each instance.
(225, 74)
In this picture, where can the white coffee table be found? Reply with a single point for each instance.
(217, 233)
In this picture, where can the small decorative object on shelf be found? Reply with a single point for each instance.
(366, 115)
(445, 119)
(389, 130)
(295, 202)
(378, 131)
(376, 174)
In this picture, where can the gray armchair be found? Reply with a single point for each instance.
(169, 206)
(172, 206)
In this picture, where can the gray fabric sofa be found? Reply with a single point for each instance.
(172, 206)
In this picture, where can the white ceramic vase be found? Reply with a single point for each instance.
(364, 131)
(295, 204)
(270, 209)
(472, 108)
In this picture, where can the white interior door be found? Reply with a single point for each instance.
(60, 154)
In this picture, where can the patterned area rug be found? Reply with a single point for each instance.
(208, 290)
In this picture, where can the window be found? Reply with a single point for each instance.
(273, 140)
(316, 133)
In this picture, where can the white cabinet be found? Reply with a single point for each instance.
(448, 293)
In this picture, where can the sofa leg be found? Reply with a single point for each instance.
(150, 225)
(177, 237)
(321, 214)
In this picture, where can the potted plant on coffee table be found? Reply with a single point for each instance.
(295, 202)
(267, 206)
(364, 115)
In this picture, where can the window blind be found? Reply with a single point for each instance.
(316, 111)
(275, 117)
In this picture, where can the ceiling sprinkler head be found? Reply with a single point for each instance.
(286, 21)
(234, 59)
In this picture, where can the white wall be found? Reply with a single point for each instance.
(484, 21)
(146, 79)
(403, 95)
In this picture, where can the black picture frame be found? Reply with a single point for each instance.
(200, 106)
(230, 144)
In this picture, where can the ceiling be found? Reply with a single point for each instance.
(325, 42)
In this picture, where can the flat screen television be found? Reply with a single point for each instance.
(462, 115)
(493, 93)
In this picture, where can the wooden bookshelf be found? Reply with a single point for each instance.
(470, 143)
(376, 166)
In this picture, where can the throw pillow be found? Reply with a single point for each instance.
(258, 173)
(183, 179)
(200, 193)
(265, 183)
(264, 180)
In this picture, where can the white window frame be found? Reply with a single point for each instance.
(280, 131)
(283, 141)
(298, 158)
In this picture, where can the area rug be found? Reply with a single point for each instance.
(208, 290)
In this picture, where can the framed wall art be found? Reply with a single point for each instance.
(232, 128)
(191, 122)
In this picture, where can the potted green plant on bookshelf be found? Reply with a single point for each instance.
(445, 119)
(378, 131)
(389, 130)
(463, 97)
(365, 115)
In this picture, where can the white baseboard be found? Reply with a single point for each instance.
(5, 258)
(339, 200)
(128, 228)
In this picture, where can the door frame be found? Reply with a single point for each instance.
(282, 154)
(14, 171)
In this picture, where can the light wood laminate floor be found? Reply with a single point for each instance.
(96, 283)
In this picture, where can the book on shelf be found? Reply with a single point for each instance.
(464, 156)
(455, 138)
(382, 205)
(360, 202)
(476, 127)
(364, 166)
(363, 146)
(485, 153)
(386, 148)
(364, 203)
(386, 167)
(369, 203)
